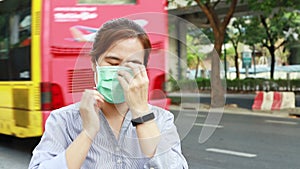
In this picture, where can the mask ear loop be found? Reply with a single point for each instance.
(95, 75)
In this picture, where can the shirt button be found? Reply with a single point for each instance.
(119, 161)
(117, 149)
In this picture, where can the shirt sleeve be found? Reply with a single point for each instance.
(50, 152)
(168, 152)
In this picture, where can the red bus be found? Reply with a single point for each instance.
(41, 62)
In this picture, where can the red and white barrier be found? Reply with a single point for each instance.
(273, 100)
(288, 100)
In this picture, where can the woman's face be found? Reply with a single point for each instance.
(122, 51)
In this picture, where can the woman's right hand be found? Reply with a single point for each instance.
(90, 104)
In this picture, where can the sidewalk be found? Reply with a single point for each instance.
(242, 100)
(235, 104)
(234, 109)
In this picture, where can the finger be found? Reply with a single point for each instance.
(98, 99)
(88, 91)
(143, 71)
(134, 67)
(125, 75)
(85, 96)
(95, 92)
(123, 82)
(92, 97)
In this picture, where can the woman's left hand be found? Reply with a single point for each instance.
(135, 88)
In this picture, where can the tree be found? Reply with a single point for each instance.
(193, 56)
(235, 35)
(196, 42)
(218, 26)
(269, 26)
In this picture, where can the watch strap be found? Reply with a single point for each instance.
(142, 119)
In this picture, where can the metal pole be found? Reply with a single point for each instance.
(178, 50)
(254, 64)
(288, 80)
(247, 70)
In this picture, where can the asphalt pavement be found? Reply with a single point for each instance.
(15, 153)
(243, 141)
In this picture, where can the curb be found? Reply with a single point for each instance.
(244, 105)
(234, 109)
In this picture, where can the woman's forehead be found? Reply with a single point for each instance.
(125, 48)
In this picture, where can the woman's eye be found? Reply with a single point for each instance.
(114, 64)
(136, 62)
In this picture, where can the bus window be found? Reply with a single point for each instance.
(107, 2)
(15, 41)
(3, 38)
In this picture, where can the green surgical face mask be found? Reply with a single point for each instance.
(108, 84)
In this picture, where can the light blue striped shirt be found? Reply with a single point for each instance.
(107, 152)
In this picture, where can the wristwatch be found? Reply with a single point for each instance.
(143, 119)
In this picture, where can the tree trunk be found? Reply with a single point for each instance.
(237, 71)
(217, 89)
(236, 62)
(219, 28)
(197, 67)
(272, 53)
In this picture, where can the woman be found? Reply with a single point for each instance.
(113, 126)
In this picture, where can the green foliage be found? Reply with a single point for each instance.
(189, 3)
(230, 51)
(235, 33)
(173, 84)
(278, 16)
(253, 31)
(266, 7)
(195, 41)
(191, 60)
(275, 21)
(191, 53)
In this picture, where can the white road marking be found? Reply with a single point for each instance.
(281, 122)
(208, 125)
(235, 153)
(194, 115)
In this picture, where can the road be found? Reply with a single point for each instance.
(239, 142)
(245, 142)
(15, 153)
